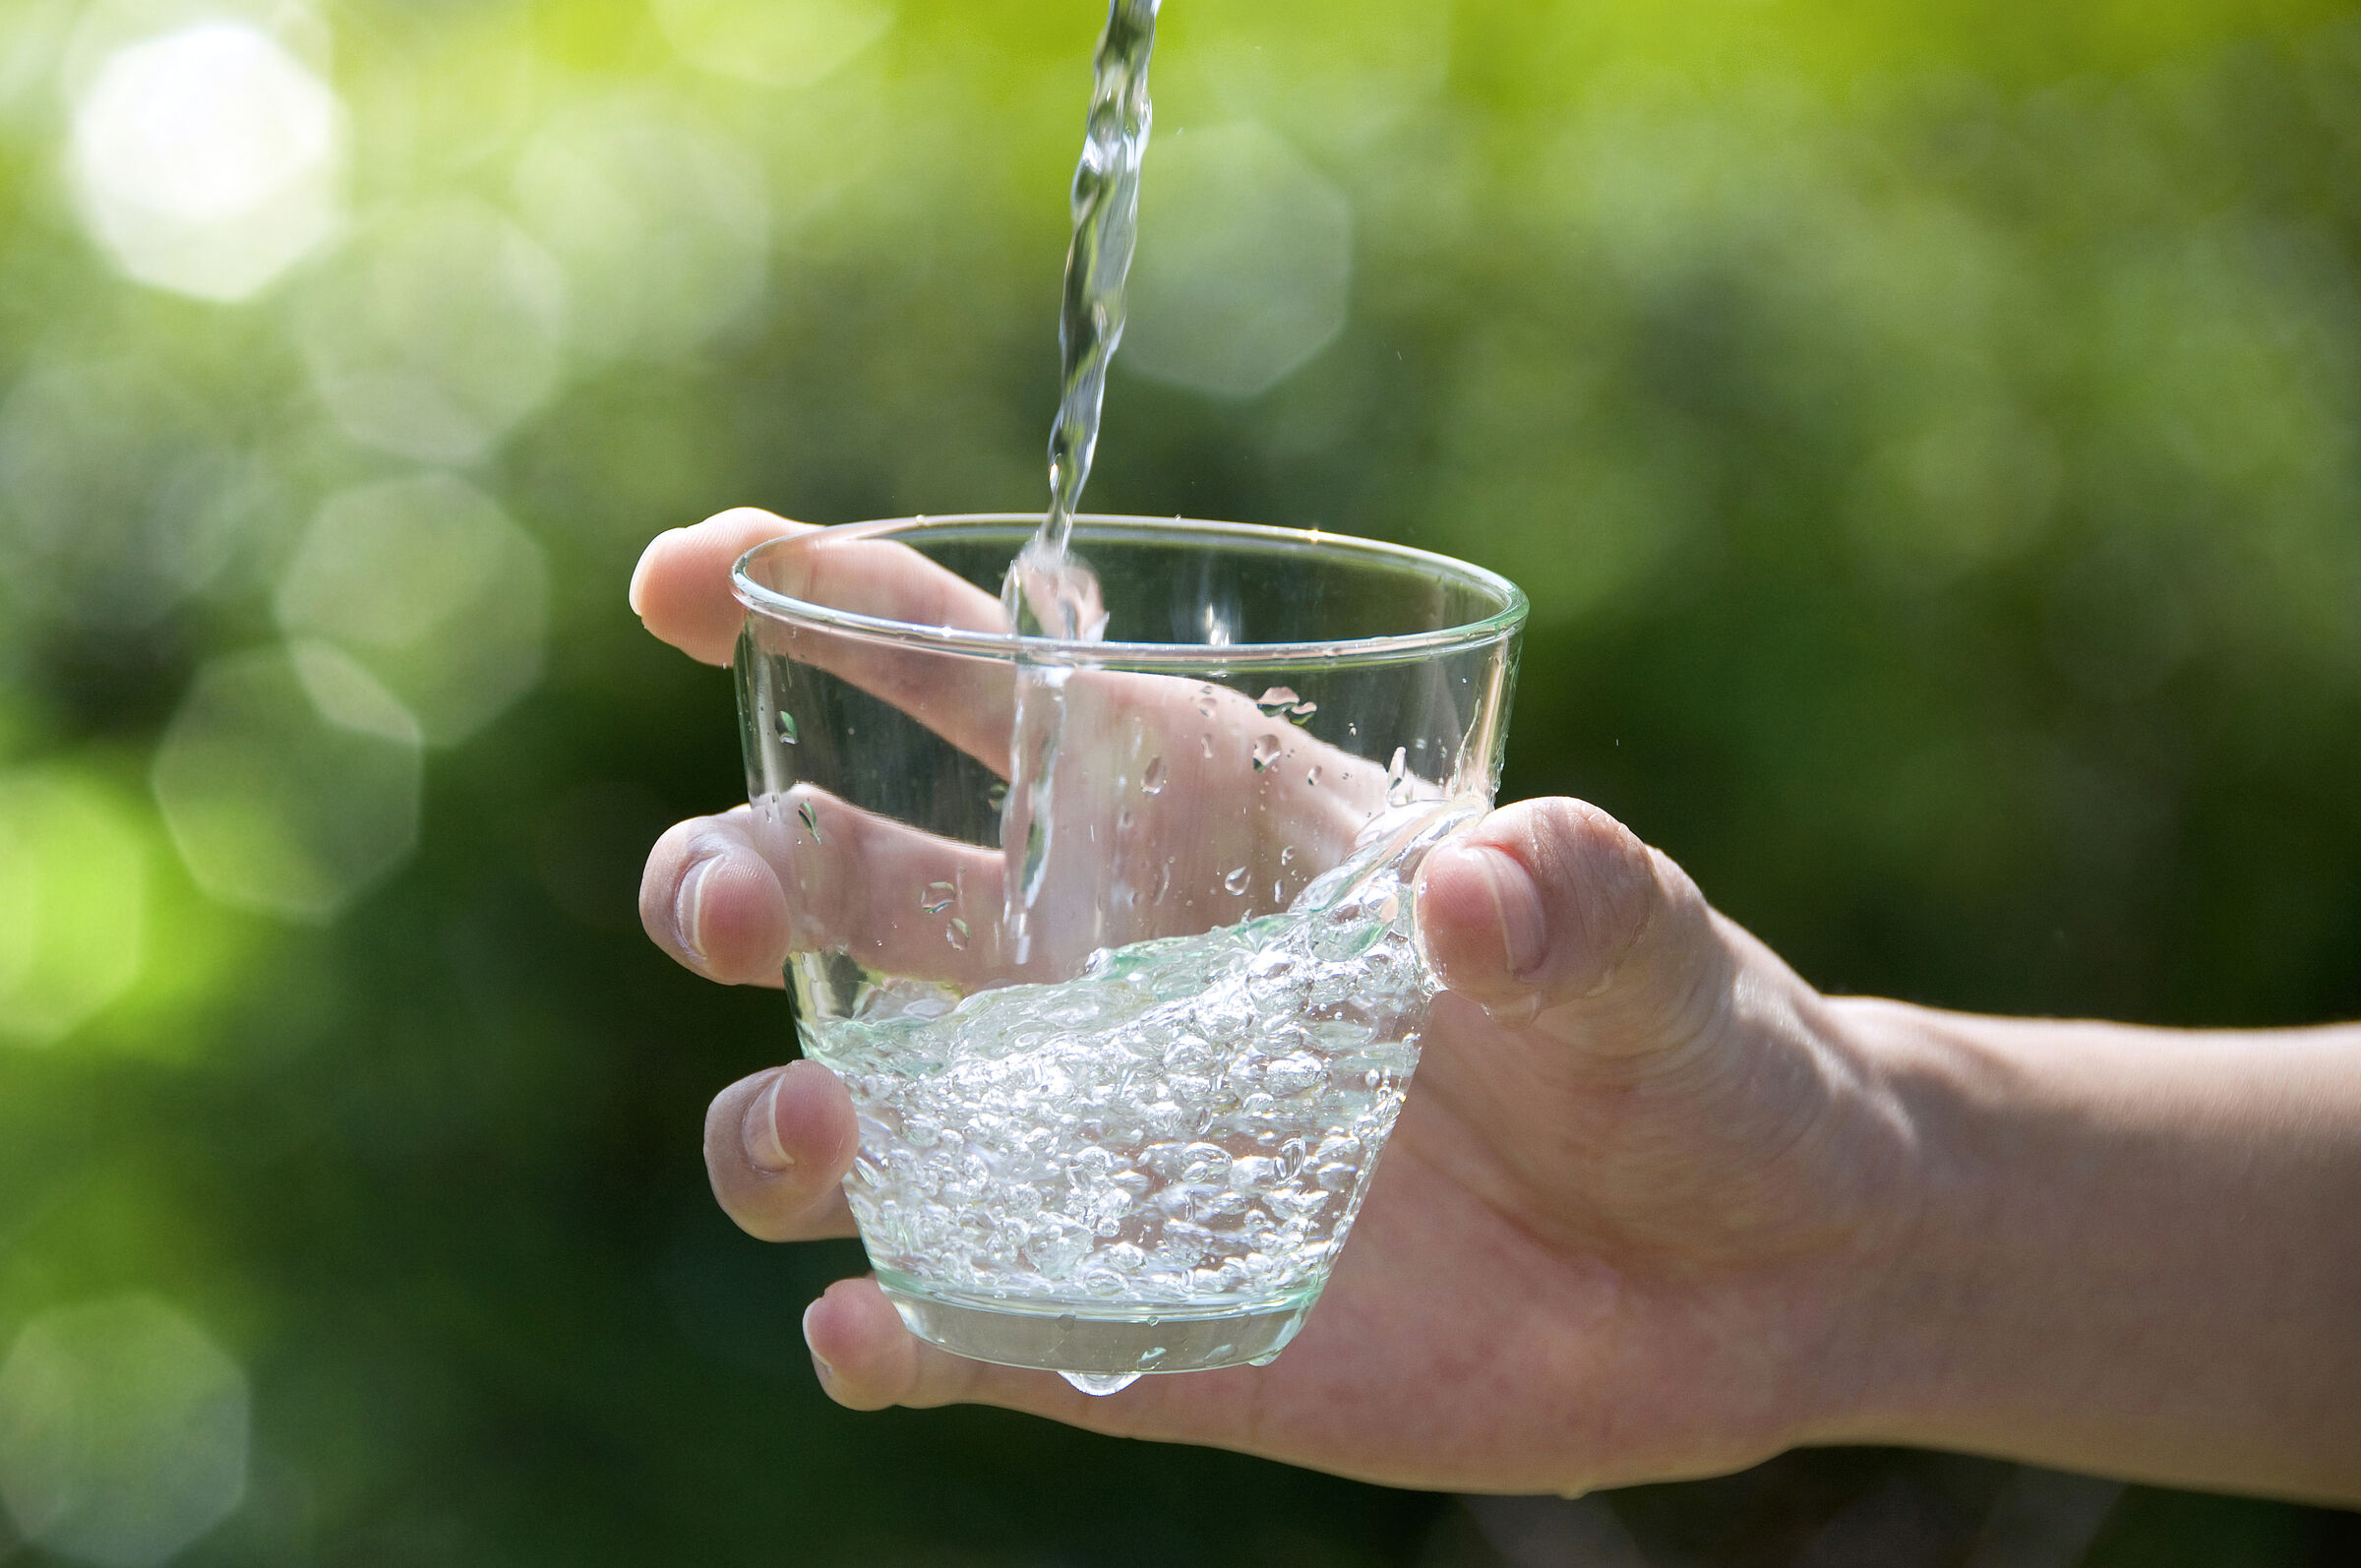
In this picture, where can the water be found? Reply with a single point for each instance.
(1189, 1123)
(1047, 591)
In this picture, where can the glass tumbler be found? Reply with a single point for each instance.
(1111, 941)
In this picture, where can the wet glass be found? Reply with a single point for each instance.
(1126, 1039)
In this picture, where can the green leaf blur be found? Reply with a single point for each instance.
(1930, 433)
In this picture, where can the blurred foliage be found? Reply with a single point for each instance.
(1927, 430)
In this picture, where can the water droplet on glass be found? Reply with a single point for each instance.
(1312, 778)
(1235, 882)
(997, 796)
(1205, 700)
(1205, 745)
(1398, 788)
(937, 897)
(786, 726)
(811, 820)
(1152, 780)
(1266, 752)
(1263, 1361)
(1101, 1383)
(956, 933)
(1277, 699)
(1302, 710)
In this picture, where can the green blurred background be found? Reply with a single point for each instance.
(1927, 429)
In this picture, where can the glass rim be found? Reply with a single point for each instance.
(1499, 625)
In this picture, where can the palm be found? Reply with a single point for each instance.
(1469, 1286)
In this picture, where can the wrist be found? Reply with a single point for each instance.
(2122, 1251)
(1911, 1342)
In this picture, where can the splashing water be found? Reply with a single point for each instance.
(1189, 1123)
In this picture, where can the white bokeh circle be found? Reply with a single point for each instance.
(430, 587)
(290, 780)
(438, 329)
(124, 1431)
(663, 228)
(1246, 263)
(207, 159)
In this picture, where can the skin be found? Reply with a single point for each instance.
(1657, 1209)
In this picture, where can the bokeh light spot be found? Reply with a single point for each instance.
(1244, 265)
(290, 780)
(124, 1431)
(445, 328)
(663, 231)
(429, 585)
(207, 160)
(779, 44)
(73, 903)
(116, 504)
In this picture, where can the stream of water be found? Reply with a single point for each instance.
(1048, 592)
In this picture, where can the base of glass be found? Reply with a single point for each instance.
(1099, 1347)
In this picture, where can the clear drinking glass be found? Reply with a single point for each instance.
(1127, 1039)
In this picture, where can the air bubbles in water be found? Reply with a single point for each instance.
(1101, 1383)
(811, 820)
(1266, 752)
(1205, 745)
(956, 933)
(786, 726)
(1398, 784)
(1152, 781)
(1235, 882)
(1312, 778)
(937, 897)
(1205, 700)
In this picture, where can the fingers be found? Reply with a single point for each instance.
(680, 587)
(731, 897)
(967, 701)
(867, 1360)
(1551, 906)
(681, 591)
(710, 898)
(778, 1146)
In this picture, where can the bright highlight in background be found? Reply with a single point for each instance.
(207, 160)
(73, 903)
(123, 1431)
(1246, 264)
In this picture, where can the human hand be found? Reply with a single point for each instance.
(1643, 1185)
(1202, 807)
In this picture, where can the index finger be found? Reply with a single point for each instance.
(680, 587)
(683, 593)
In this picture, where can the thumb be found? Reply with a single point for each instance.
(1551, 910)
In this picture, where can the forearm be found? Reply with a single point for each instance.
(2130, 1251)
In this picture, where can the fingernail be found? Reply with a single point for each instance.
(689, 909)
(640, 572)
(819, 1366)
(760, 1133)
(1518, 1015)
(1524, 931)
